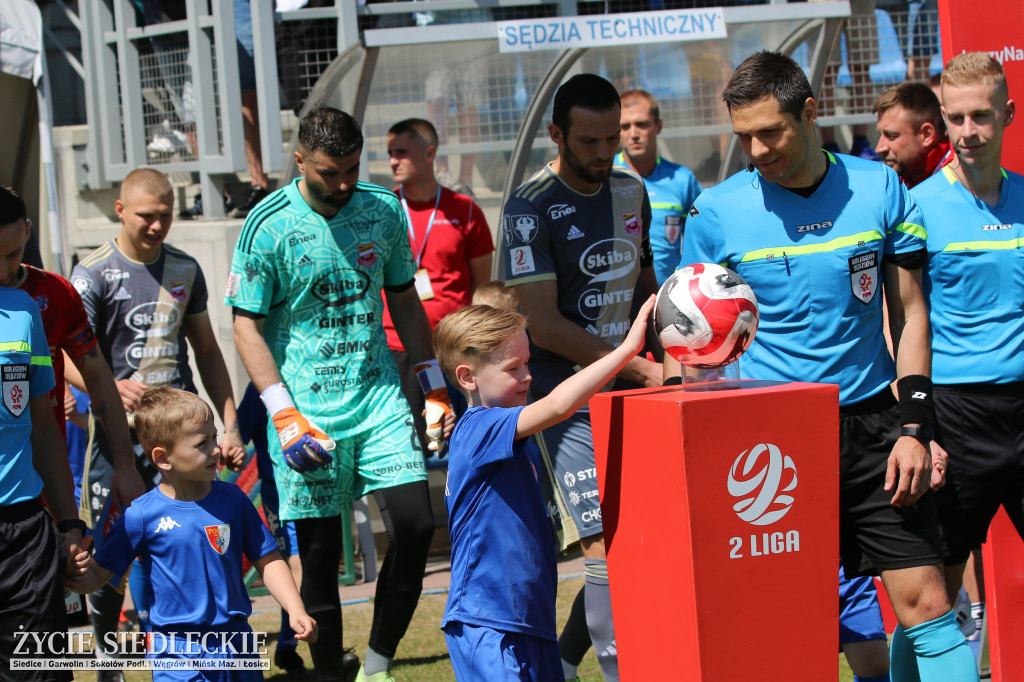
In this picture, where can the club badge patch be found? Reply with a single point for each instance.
(367, 258)
(178, 292)
(864, 276)
(521, 228)
(631, 223)
(673, 224)
(15, 388)
(219, 537)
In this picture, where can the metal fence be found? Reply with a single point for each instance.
(166, 94)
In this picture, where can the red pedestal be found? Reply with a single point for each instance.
(694, 586)
(1004, 596)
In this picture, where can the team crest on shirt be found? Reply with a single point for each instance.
(43, 302)
(219, 537)
(366, 258)
(631, 223)
(521, 228)
(15, 388)
(864, 276)
(673, 225)
(178, 292)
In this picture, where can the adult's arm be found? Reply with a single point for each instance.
(480, 271)
(214, 375)
(105, 402)
(255, 352)
(550, 330)
(910, 461)
(50, 460)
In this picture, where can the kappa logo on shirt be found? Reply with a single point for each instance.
(166, 524)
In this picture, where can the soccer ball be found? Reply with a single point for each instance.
(705, 315)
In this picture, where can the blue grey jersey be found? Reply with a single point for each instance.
(591, 245)
(138, 311)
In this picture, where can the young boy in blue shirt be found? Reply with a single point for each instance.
(499, 622)
(191, 532)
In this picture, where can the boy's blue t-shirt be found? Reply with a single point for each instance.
(503, 557)
(192, 552)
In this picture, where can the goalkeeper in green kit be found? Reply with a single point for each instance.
(305, 288)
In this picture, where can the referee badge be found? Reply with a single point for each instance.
(864, 276)
(15, 388)
(219, 537)
(673, 225)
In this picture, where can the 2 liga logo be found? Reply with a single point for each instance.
(761, 479)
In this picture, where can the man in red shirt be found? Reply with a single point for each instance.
(912, 135)
(450, 239)
(68, 331)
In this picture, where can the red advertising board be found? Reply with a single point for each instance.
(996, 27)
(720, 511)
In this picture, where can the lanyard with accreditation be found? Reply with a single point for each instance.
(422, 281)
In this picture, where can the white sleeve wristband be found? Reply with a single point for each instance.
(276, 398)
(430, 376)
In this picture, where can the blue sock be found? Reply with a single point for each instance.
(878, 678)
(942, 652)
(902, 659)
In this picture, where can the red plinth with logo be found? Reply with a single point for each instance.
(720, 513)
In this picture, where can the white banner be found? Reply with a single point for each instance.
(561, 33)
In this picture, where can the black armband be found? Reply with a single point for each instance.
(915, 260)
(242, 312)
(399, 288)
(673, 381)
(916, 403)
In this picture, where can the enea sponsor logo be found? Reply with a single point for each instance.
(341, 286)
(113, 275)
(560, 211)
(608, 259)
(296, 238)
(158, 318)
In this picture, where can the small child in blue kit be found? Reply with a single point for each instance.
(191, 532)
(499, 621)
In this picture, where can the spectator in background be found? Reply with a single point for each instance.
(911, 133)
(671, 188)
(461, 83)
(862, 50)
(451, 244)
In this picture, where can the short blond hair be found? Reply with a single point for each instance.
(147, 181)
(496, 295)
(162, 415)
(975, 68)
(469, 336)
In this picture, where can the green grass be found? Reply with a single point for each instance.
(423, 656)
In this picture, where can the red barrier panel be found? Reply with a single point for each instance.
(720, 512)
(1004, 595)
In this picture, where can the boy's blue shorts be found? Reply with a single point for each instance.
(482, 653)
(860, 616)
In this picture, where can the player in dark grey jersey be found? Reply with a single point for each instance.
(575, 245)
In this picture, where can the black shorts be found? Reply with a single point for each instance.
(31, 587)
(981, 426)
(875, 536)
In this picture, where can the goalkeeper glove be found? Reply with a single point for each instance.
(438, 404)
(305, 446)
